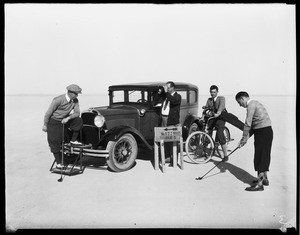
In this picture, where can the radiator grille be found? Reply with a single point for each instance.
(88, 118)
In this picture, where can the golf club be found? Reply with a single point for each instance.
(200, 178)
(62, 153)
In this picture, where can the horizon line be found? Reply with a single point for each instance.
(92, 94)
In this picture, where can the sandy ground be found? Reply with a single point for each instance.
(143, 197)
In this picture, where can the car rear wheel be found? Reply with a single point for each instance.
(194, 127)
(122, 153)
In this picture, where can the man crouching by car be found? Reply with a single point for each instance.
(64, 110)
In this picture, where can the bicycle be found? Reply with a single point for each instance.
(200, 145)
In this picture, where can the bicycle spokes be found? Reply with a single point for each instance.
(199, 147)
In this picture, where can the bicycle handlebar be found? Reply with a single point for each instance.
(210, 119)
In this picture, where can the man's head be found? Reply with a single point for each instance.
(170, 87)
(73, 91)
(242, 98)
(213, 91)
(161, 90)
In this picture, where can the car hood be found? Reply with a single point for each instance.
(116, 110)
(116, 115)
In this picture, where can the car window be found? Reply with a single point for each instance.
(193, 97)
(183, 97)
(129, 96)
(136, 95)
(118, 96)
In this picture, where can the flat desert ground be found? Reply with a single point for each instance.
(143, 197)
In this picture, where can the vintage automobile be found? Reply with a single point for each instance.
(129, 120)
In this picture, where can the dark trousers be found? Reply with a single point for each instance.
(232, 119)
(219, 124)
(263, 138)
(55, 133)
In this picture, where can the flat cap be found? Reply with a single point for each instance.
(74, 88)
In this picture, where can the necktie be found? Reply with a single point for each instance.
(214, 104)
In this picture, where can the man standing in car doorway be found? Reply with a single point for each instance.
(170, 113)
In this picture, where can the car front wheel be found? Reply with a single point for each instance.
(122, 153)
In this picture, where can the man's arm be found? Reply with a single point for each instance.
(248, 123)
(73, 114)
(76, 111)
(208, 104)
(174, 100)
(53, 106)
(221, 106)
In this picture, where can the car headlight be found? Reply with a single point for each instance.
(99, 121)
(142, 112)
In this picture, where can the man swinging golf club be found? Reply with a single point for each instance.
(258, 121)
(63, 111)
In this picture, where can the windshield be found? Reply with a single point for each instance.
(129, 96)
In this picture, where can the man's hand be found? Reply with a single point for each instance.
(217, 114)
(44, 128)
(65, 120)
(201, 119)
(242, 142)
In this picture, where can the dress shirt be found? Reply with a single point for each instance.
(166, 106)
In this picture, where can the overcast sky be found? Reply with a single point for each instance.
(248, 47)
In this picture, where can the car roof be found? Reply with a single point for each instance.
(150, 85)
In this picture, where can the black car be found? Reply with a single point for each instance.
(129, 120)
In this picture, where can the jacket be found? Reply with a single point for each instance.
(174, 114)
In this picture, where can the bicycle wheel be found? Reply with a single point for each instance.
(227, 137)
(199, 147)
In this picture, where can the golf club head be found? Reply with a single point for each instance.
(198, 178)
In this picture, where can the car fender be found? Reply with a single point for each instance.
(115, 133)
(190, 119)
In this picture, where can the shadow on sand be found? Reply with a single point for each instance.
(237, 172)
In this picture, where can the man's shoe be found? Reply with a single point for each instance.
(255, 188)
(254, 181)
(59, 166)
(75, 142)
(264, 182)
(225, 159)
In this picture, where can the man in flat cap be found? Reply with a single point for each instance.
(64, 109)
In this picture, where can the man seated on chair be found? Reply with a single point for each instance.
(216, 104)
(64, 109)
